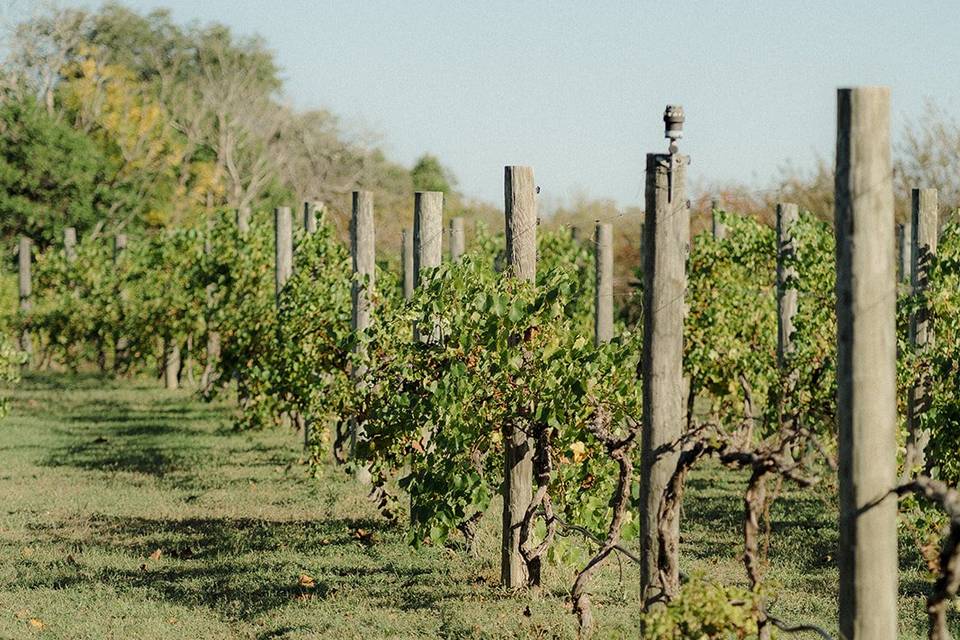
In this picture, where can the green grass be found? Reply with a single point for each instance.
(97, 475)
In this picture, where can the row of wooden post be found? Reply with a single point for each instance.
(866, 340)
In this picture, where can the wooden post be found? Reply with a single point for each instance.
(427, 247)
(457, 239)
(70, 243)
(283, 234)
(520, 213)
(119, 246)
(26, 291)
(243, 220)
(787, 215)
(925, 222)
(362, 249)
(311, 210)
(719, 229)
(603, 295)
(171, 363)
(120, 342)
(214, 343)
(427, 233)
(665, 238)
(406, 257)
(904, 239)
(866, 365)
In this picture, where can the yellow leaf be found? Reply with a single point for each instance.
(306, 581)
(156, 555)
(579, 451)
(37, 623)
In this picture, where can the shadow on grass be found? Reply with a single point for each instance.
(121, 439)
(244, 567)
(59, 380)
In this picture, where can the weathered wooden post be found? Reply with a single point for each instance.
(26, 291)
(243, 220)
(70, 243)
(457, 239)
(283, 236)
(719, 229)
(787, 215)
(925, 221)
(362, 249)
(866, 365)
(406, 257)
(665, 238)
(520, 213)
(120, 342)
(904, 239)
(603, 294)
(427, 247)
(427, 233)
(311, 211)
(171, 363)
(119, 246)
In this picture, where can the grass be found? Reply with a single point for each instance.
(130, 512)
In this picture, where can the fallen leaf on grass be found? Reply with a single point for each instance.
(364, 536)
(37, 623)
(21, 614)
(156, 555)
(26, 552)
(306, 581)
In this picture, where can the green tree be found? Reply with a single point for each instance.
(429, 175)
(49, 173)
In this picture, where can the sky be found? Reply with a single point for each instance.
(577, 89)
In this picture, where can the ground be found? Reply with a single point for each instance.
(127, 511)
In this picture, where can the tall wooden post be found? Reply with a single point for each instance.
(26, 291)
(406, 257)
(719, 229)
(457, 239)
(904, 240)
(427, 247)
(925, 221)
(427, 233)
(603, 294)
(311, 211)
(787, 215)
(283, 234)
(665, 237)
(70, 243)
(866, 365)
(362, 250)
(520, 213)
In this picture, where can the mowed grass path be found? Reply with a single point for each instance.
(127, 511)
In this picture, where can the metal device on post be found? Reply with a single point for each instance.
(672, 131)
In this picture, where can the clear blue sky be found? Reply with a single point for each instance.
(577, 89)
